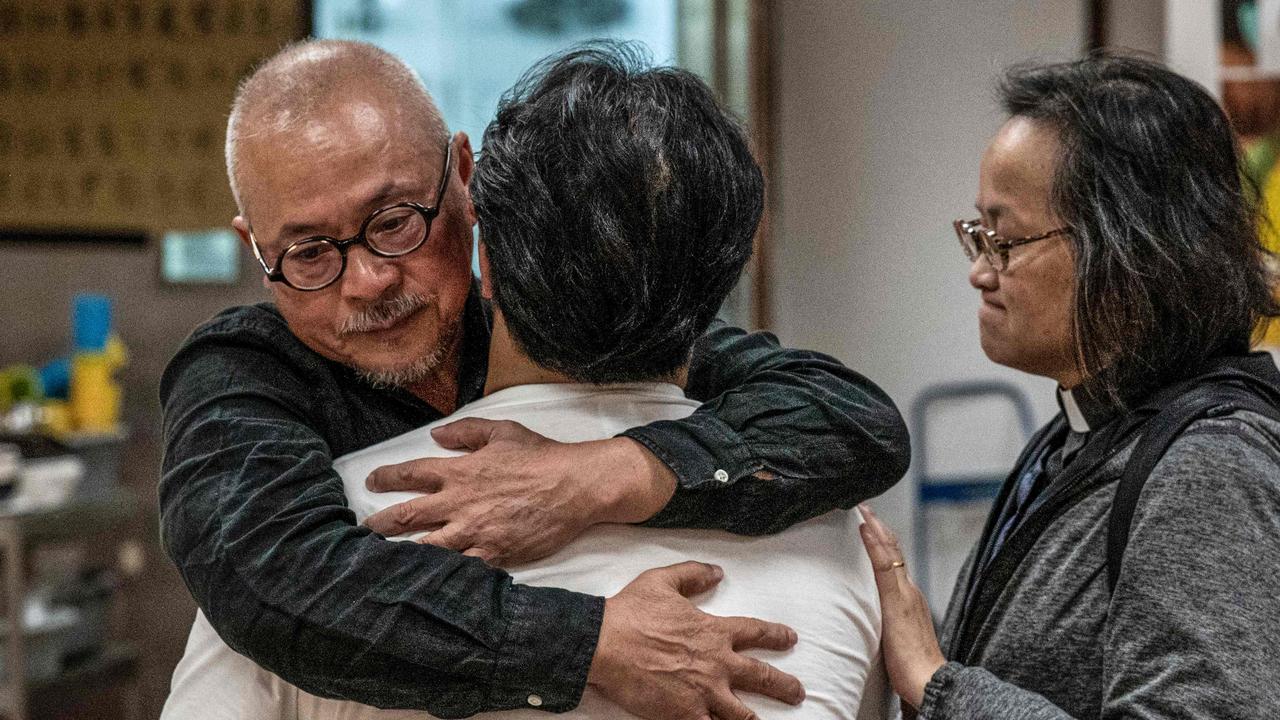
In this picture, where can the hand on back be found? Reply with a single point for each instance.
(660, 657)
(517, 496)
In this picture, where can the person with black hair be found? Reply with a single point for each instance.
(1129, 566)
(617, 205)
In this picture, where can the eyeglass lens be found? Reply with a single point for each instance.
(391, 232)
(974, 241)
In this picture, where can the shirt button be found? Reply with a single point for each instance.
(535, 700)
(722, 476)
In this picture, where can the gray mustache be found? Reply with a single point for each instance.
(383, 313)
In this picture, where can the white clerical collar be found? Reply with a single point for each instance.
(1071, 408)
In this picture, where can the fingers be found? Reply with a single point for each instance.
(484, 554)
(726, 706)
(751, 675)
(465, 434)
(687, 578)
(421, 513)
(910, 646)
(892, 579)
(424, 475)
(451, 538)
(749, 632)
(881, 543)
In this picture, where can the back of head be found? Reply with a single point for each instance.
(1169, 270)
(309, 81)
(617, 204)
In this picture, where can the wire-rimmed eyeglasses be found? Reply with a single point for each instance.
(976, 239)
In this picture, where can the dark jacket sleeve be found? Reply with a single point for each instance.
(254, 517)
(782, 436)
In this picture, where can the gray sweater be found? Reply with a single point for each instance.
(1193, 627)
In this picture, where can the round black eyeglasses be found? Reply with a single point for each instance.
(317, 262)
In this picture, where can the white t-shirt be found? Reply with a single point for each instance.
(814, 577)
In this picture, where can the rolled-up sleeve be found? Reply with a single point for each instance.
(783, 435)
(254, 517)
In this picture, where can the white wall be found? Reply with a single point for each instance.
(1138, 25)
(1193, 40)
(883, 110)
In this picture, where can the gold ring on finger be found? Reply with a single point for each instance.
(897, 564)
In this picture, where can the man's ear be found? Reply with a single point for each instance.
(466, 166)
(486, 286)
(241, 226)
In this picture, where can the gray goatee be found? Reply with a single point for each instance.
(388, 312)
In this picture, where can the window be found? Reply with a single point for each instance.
(468, 52)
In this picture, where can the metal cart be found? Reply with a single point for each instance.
(954, 489)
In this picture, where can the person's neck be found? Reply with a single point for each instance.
(1069, 380)
(1068, 374)
(509, 366)
(439, 388)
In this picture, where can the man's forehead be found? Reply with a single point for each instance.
(303, 220)
(354, 120)
(291, 166)
(352, 126)
(323, 203)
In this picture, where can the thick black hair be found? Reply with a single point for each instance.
(617, 203)
(1169, 269)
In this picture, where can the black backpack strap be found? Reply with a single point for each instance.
(1159, 433)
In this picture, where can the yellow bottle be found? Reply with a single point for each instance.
(95, 395)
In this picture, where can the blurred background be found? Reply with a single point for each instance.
(868, 115)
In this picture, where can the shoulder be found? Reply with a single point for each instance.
(244, 327)
(1221, 475)
(243, 345)
(1239, 443)
(242, 322)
